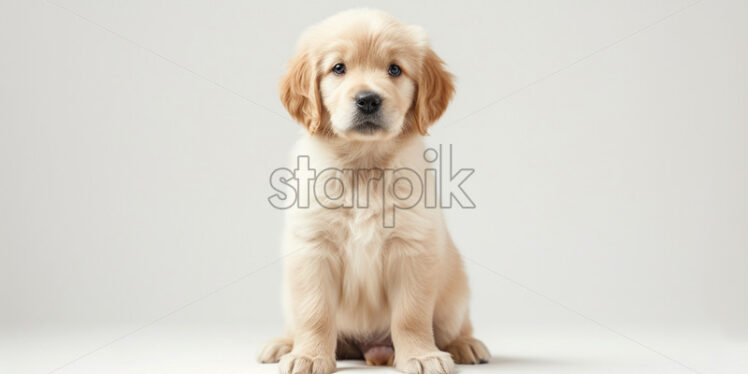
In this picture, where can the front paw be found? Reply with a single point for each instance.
(437, 362)
(294, 363)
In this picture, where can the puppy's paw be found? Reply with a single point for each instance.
(274, 349)
(293, 363)
(468, 351)
(437, 362)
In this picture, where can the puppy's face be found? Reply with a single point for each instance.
(363, 75)
(366, 94)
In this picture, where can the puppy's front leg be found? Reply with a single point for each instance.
(312, 296)
(413, 273)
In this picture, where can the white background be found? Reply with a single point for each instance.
(609, 142)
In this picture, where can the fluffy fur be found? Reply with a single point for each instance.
(354, 288)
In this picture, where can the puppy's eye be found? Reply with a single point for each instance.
(339, 69)
(394, 70)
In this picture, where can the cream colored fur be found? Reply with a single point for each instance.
(350, 282)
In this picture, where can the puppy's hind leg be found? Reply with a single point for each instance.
(465, 349)
(273, 349)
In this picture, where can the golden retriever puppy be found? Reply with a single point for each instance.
(366, 278)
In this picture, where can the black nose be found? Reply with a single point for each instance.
(368, 102)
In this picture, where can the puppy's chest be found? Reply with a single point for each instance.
(362, 240)
(360, 234)
(363, 299)
(363, 247)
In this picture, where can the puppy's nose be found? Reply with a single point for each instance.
(368, 102)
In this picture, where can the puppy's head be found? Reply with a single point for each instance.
(363, 75)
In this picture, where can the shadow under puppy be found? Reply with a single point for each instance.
(367, 87)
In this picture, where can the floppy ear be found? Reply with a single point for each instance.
(299, 92)
(434, 90)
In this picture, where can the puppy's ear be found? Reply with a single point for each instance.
(434, 90)
(299, 92)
